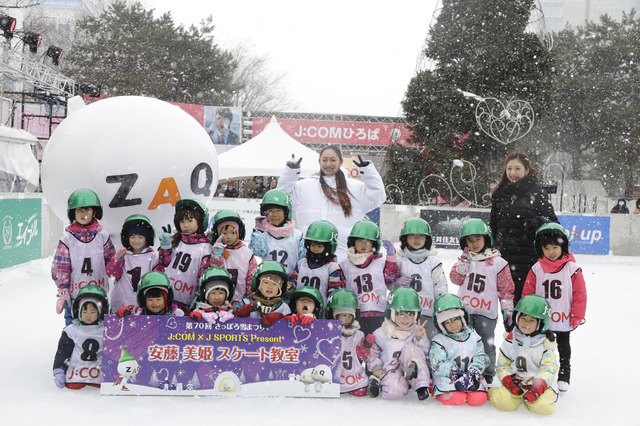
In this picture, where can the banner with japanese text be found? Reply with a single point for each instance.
(162, 355)
(21, 230)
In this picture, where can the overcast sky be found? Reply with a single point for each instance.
(340, 56)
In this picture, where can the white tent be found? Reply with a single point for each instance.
(19, 169)
(266, 155)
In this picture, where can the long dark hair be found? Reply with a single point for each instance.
(339, 195)
(521, 157)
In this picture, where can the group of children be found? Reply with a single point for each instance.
(401, 329)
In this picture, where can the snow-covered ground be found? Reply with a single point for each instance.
(603, 382)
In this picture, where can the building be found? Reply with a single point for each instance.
(558, 13)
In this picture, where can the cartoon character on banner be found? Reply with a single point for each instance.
(127, 368)
(318, 375)
(140, 155)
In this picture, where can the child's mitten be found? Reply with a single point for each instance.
(364, 347)
(120, 253)
(165, 237)
(261, 223)
(224, 316)
(63, 298)
(123, 312)
(374, 387)
(512, 384)
(245, 311)
(305, 319)
(59, 377)
(269, 319)
(535, 390)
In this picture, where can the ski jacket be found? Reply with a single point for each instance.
(284, 245)
(79, 353)
(325, 278)
(427, 279)
(388, 346)
(240, 262)
(126, 285)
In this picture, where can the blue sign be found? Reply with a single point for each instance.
(587, 234)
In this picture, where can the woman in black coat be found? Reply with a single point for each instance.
(518, 208)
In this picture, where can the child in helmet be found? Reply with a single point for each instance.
(558, 278)
(154, 296)
(213, 301)
(368, 273)
(342, 305)
(275, 236)
(456, 356)
(485, 279)
(83, 251)
(318, 268)
(306, 306)
(80, 345)
(185, 255)
(230, 253)
(398, 357)
(528, 361)
(269, 285)
(420, 269)
(136, 257)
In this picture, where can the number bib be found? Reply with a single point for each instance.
(283, 250)
(460, 352)
(237, 265)
(479, 291)
(421, 280)
(352, 374)
(557, 288)
(367, 283)
(184, 270)
(135, 266)
(87, 262)
(86, 360)
(317, 278)
(390, 349)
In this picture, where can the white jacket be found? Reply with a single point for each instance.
(310, 203)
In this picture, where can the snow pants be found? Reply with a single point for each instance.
(486, 329)
(394, 385)
(474, 399)
(564, 350)
(504, 400)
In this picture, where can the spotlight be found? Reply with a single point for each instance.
(32, 40)
(7, 25)
(55, 53)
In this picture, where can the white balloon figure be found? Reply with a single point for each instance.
(127, 368)
(307, 379)
(140, 155)
(321, 374)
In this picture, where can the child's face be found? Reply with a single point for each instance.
(363, 246)
(475, 243)
(229, 235)
(270, 285)
(155, 305)
(216, 297)
(89, 313)
(405, 319)
(189, 225)
(305, 305)
(527, 324)
(275, 216)
(316, 247)
(84, 215)
(346, 319)
(516, 170)
(453, 325)
(137, 243)
(416, 241)
(552, 252)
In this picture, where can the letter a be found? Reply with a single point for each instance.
(167, 193)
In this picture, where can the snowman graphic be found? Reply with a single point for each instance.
(127, 368)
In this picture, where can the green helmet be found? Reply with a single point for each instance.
(475, 227)
(227, 216)
(448, 302)
(211, 275)
(342, 299)
(535, 306)
(402, 299)
(276, 198)
(193, 205)
(83, 198)
(270, 267)
(322, 231)
(551, 232)
(312, 293)
(415, 225)
(367, 230)
(91, 293)
(155, 279)
(144, 228)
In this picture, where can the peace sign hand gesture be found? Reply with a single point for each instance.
(420, 330)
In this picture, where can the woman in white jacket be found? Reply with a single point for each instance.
(329, 195)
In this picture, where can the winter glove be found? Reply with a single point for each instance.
(535, 390)
(464, 257)
(575, 322)
(261, 223)
(462, 381)
(403, 281)
(210, 317)
(292, 318)
(59, 377)
(218, 248)
(165, 238)
(512, 384)
(123, 312)
(391, 251)
(245, 310)
(364, 347)
(63, 298)
(361, 162)
(293, 163)
(269, 319)
(120, 254)
(507, 317)
(305, 319)
(412, 372)
(224, 316)
(196, 315)
(374, 387)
